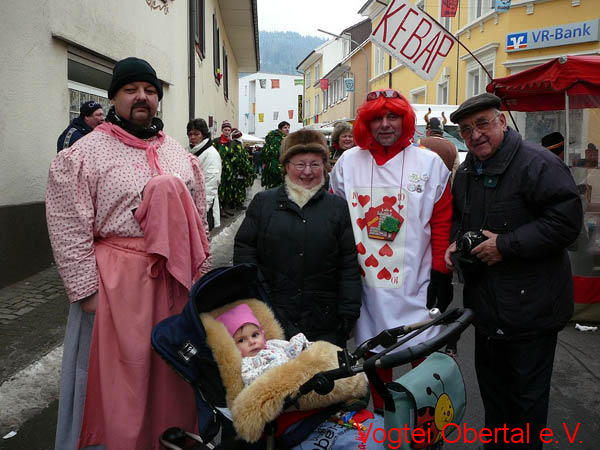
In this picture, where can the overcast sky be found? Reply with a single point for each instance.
(305, 16)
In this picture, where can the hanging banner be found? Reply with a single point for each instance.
(290, 113)
(349, 84)
(261, 117)
(449, 8)
(324, 82)
(411, 36)
(300, 105)
(274, 83)
(299, 82)
(502, 5)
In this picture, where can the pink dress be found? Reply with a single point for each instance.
(93, 188)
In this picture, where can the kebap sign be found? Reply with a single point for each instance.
(414, 38)
(571, 33)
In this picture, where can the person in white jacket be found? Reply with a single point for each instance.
(201, 146)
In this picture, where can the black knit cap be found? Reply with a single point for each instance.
(133, 69)
(87, 108)
(474, 104)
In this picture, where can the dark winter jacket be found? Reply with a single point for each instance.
(531, 201)
(308, 260)
(76, 130)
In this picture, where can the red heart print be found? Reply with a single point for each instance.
(389, 200)
(354, 204)
(362, 271)
(386, 250)
(384, 274)
(371, 261)
(396, 270)
(363, 200)
(361, 222)
(360, 248)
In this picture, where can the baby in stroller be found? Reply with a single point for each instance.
(289, 405)
(258, 354)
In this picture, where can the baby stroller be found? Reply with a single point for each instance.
(315, 386)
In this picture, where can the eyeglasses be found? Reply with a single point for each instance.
(301, 166)
(482, 125)
(387, 93)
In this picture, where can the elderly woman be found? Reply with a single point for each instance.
(300, 236)
(341, 140)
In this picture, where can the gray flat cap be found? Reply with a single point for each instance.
(474, 104)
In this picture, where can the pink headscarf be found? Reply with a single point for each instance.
(236, 317)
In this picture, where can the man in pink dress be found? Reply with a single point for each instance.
(126, 216)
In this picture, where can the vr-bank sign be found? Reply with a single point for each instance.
(412, 37)
(570, 33)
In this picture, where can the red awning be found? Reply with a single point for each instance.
(542, 88)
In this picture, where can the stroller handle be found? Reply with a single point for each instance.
(425, 348)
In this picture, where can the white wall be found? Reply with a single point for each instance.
(34, 38)
(268, 100)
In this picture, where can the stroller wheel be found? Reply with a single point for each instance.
(175, 438)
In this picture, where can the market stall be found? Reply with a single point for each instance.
(563, 95)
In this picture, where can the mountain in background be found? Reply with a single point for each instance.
(282, 51)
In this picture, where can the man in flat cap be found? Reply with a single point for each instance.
(518, 280)
(126, 214)
(436, 142)
(90, 116)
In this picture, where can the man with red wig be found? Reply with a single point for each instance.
(401, 209)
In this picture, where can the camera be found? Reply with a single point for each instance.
(467, 242)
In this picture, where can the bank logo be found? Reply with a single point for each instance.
(516, 41)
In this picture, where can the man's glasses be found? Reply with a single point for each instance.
(482, 125)
(313, 166)
(387, 93)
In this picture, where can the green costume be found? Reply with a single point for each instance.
(243, 172)
(272, 175)
(228, 181)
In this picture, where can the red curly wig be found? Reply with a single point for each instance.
(378, 107)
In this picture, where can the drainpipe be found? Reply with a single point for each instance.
(192, 59)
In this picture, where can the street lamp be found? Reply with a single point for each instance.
(366, 59)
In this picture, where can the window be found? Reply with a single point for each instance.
(308, 111)
(418, 95)
(317, 72)
(200, 28)
(346, 45)
(325, 100)
(225, 75)
(442, 93)
(477, 79)
(216, 49)
(444, 21)
(317, 104)
(478, 8)
(307, 78)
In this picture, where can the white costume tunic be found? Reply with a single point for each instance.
(275, 353)
(395, 271)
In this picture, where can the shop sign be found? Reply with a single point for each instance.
(567, 34)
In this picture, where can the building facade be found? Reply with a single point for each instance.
(266, 99)
(56, 54)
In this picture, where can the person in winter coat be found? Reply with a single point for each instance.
(401, 209)
(272, 174)
(90, 116)
(300, 236)
(341, 140)
(201, 146)
(519, 281)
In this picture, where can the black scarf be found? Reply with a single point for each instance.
(208, 144)
(139, 132)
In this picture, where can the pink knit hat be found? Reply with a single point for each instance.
(236, 317)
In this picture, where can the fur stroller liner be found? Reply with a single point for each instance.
(200, 349)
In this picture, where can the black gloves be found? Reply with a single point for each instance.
(439, 291)
(346, 326)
